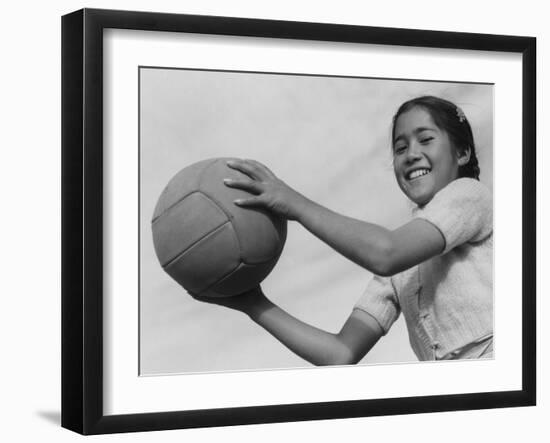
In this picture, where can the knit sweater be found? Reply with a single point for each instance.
(447, 301)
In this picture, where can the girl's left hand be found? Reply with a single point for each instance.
(269, 191)
(247, 302)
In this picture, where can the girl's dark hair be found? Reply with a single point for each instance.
(450, 118)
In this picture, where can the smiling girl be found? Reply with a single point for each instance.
(436, 269)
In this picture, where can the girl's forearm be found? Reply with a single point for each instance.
(312, 344)
(367, 244)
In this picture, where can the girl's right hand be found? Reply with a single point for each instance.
(268, 190)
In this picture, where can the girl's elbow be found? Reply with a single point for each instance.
(342, 357)
(384, 263)
(385, 269)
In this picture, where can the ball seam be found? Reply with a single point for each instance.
(194, 244)
(220, 205)
(172, 206)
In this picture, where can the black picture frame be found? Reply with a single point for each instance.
(82, 220)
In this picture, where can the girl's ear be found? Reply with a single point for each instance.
(464, 156)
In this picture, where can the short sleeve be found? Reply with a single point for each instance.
(380, 301)
(462, 211)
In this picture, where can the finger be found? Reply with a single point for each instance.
(196, 296)
(254, 292)
(261, 168)
(251, 186)
(249, 202)
(252, 168)
(241, 166)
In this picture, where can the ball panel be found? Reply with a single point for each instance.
(183, 183)
(183, 224)
(242, 279)
(269, 232)
(207, 261)
(266, 243)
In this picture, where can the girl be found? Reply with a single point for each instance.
(436, 269)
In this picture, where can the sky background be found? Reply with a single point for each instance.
(327, 137)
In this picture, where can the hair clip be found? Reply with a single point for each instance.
(460, 114)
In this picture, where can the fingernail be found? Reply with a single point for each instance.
(238, 201)
(227, 180)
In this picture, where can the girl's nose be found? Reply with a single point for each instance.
(414, 152)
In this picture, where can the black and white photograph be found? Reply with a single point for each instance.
(279, 221)
(275, 221)
(295, 221)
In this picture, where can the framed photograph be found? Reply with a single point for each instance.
(269, 221)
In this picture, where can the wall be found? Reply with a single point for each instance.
(30, 229)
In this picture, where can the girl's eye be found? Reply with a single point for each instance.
(399, 149)
(426, 140)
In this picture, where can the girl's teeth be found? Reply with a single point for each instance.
(418, 173)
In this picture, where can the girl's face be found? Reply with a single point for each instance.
(424, 159)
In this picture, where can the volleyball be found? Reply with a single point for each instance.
(205, 242)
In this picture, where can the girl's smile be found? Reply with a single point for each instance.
(424, 159)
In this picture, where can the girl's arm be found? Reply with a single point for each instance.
(358, 335)
(382, 251)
